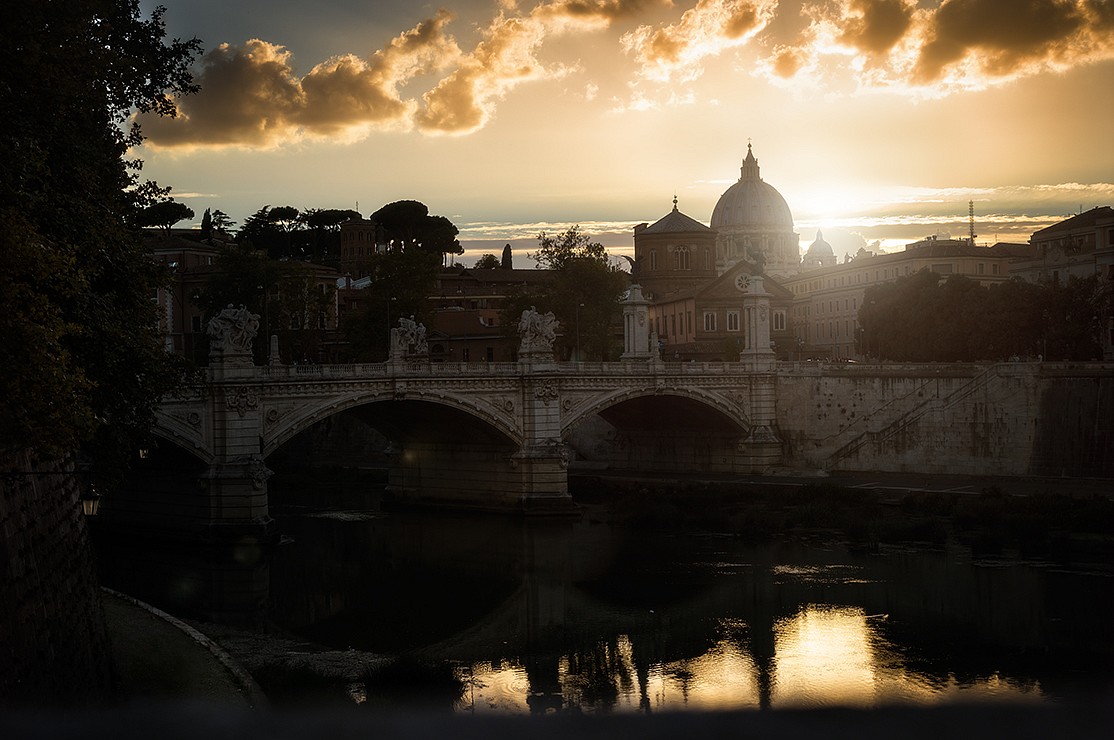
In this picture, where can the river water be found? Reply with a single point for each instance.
(551, 615)
(582, 615)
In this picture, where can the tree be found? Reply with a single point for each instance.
(584, 293)
(926, 317)
(402, 281)
(505, 261)
(487, 262)
(75, 308)
(406, 224)
(207, 225)
(164, 214)
(324, 229)
(221, 221)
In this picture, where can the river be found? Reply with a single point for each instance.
(581, 614)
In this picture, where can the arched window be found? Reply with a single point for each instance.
(681, 256)
(653, 259)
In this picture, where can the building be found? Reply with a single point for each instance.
(467, 305)
(710, 322)
(360, 240)
(190, 261)
(193, 262)
(676, 253)
(696, 276)
(1079, 246)
(753, 223)
(826, 298)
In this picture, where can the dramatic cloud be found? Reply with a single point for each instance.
(1005, 39)
(251, 97)
(954, 45)
(875, 26)
(705, 30)
(465, 101)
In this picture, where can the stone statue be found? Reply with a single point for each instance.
(233, 329)
(537, 331)
(408, 334)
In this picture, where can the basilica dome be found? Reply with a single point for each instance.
(751, 203)
(819, 254)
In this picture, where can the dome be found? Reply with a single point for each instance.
(751, 203)
(820, 249)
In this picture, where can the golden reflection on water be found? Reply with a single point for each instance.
(823, 656)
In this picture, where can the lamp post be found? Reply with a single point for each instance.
(388, 302)
(578, 307)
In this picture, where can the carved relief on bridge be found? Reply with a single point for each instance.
(547, 392)
(242, 401)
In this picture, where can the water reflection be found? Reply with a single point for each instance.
(825, 656)
(539, 617)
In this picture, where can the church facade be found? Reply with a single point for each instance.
(696, 276)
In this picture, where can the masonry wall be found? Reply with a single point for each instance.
(53, 645)
(1001, 419)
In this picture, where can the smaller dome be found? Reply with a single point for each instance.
(820, 249)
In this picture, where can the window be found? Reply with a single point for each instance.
(673, 328)
(489, 354)
(709, 321)
(464, 354)
(195, 324)
(653, 259)
(779, 320)
(707, 259)
(994, 269)
(732, 321)
(981, 268)
(682, 258)
(690, 322)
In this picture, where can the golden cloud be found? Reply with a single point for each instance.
(251, 97)
(875, 26)
(955, 45)
(705, 30)
(1005, 39)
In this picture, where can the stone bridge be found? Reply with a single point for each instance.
(502, 436)
(484, 435)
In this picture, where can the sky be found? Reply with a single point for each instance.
(877, 120)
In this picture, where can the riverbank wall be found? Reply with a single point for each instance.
(1049, 419)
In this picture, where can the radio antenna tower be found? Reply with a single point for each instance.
(971, 219)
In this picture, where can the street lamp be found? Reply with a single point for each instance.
(90, 501)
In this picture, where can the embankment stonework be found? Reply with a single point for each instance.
(1001, 419)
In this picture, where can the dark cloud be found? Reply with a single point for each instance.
(250, 95)
(876, 26)
(1004, 37)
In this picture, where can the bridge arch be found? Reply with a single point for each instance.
(655, 430)
(728, 410)
(183, 435)
(281, 428)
